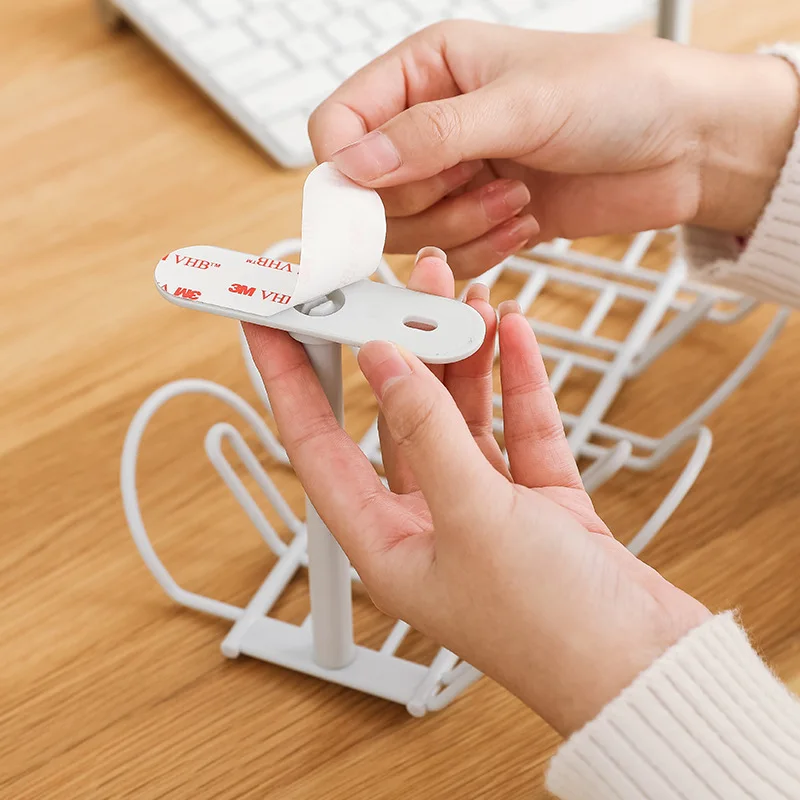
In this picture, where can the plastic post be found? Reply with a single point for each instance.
(328, 567)
(675, 20)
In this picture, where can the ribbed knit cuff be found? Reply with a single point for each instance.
(768, 267)
(706, 720)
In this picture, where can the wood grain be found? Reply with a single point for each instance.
(107, 690)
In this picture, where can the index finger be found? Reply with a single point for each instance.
(335, 473)
(412, 72)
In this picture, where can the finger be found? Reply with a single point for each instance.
(411, 199)
(456, 220)
(398, 475)
(432, 136)
(474, 258)
(335, 473)
(432, 436)
(432, 276)
(412, 72)
(470, 383)
(486, 174)
(537, 447)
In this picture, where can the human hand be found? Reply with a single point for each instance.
(507, 565)
(483, 138)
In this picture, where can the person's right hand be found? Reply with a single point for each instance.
(482, 138)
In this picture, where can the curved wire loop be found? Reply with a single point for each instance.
(130, 499)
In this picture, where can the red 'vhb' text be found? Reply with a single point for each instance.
(197, 263)
(276, 297)
(271, 263)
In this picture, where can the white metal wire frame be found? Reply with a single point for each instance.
(669, 305)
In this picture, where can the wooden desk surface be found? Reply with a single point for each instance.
(108, 158)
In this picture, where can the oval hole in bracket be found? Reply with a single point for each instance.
(421, 323)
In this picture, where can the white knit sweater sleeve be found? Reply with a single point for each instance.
(706, 721)
(769, 265)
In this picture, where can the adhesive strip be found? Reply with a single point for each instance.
(343, 233)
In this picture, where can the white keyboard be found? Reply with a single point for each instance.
(269, 63)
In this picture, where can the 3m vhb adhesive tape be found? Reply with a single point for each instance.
(343, 233)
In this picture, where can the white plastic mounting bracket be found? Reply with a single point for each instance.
(254, 289)
(343, 235)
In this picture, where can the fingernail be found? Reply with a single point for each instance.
(429, 251)
(478, 291)
(382, 365)
(513, 235)
(369, 158)
(508, 307)
(501, 199)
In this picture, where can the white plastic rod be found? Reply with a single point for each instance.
(328, 567)
(675, 20)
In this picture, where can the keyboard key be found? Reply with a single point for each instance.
(153, 5)
(384, 43)
(252, 69)
(416, 9)
(511, 7)
(478, 11)
(221, 10)
(310, 12)
(216, 44)
(387, 16)
(351, 61)
(304, 88)
(308, 47)
(270, 24)
(179, 21)
(428, 16)
(292, 134)
(347, 30)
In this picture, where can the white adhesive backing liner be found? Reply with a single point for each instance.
(343, 233)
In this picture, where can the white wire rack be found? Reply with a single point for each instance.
(669, 307)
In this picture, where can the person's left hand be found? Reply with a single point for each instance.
(505, 564)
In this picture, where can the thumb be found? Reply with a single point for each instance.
(430, 432)
(428, 138)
